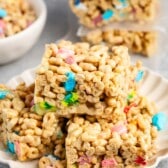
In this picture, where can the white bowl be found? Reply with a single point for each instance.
(15, 46)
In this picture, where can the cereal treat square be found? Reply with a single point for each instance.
(79, 78)
(126, 143)
(26, 134)
(101, 12)
(144, 42)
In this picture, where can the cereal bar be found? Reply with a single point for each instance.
(25, 134)
(96, 13)
(79, 79)
(144, 43)
(128, 143)
(16, 15)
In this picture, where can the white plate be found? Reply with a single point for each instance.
(153, 86)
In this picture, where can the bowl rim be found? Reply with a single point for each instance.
(40, 17)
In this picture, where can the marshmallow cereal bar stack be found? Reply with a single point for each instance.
(83, 111)
(96, 88)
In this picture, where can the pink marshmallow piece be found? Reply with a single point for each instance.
(70, 60)
(109, 163)
(121, 129)
(29, 24)
(84, 159)
(2, 27)
(97, 19)
(17, 148)
(2, 24)
(32, 103)
(64, 52)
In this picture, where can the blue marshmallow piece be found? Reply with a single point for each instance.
(139, 76)
(124, 3)
(70, 84)
(3, 13)
(11, 147)
(159, 120)
(107, 14)
(3, 94)
(76, 2)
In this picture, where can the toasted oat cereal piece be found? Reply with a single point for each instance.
(25, 134)
(97, 142)
(144, 42)
(16, 15)
(51, 161)
(98, 13)
(73, 78)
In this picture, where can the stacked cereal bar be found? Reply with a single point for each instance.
(83, 79)
(25, 134)
(95, 13)
(141, 42)
(127, 143)
(84, 111)
(87, 75)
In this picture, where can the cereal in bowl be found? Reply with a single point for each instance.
(15, 16)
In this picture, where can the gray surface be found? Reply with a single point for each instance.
(57, 27)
